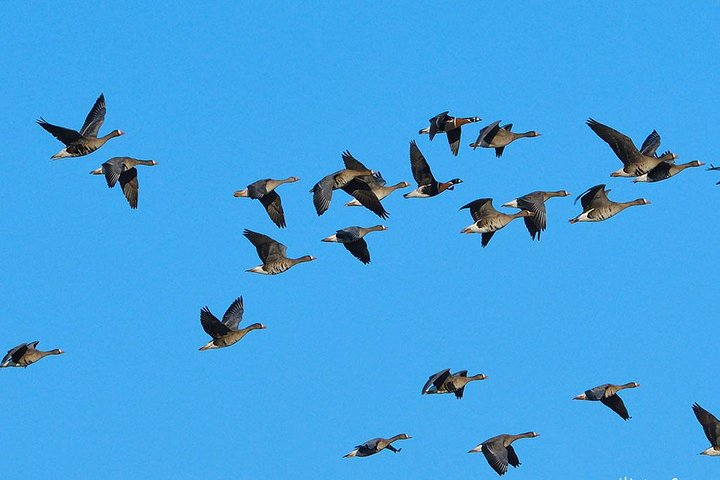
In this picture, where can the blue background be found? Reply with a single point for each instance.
(224, 94)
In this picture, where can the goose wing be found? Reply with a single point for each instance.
(437, 380)
(616, 405)
(535, 203)
(233, 315)
(129, 184)
(621, 144)
(710, 424)
(94, 119)
(420, 168)
(65, 135)
(273, 205)
(362, 192)
(211, 324)
(651, 144)
(351, 163)
(268, 249)
(359, 249)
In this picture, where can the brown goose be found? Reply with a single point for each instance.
(497, 137)
(444, 123)
(607, 394)
(635, 162)
(445, 382)
(26, 354)
(352, 239)
(225, 333)
(487, 220)
(427, 185)
(499, 452)
(380, 188)
(272, 254)
(371, 447)
(711, 427)
(86, 140)
(354, 180)
(666, 170)
(123, 169)
(264, 190)
(598, 207)
(535, 202)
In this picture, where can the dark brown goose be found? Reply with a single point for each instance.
(598, 207)
(225, 333)
(535, 202)
(499, 452)
(264, 190)
(446, 382)
(26, 354)
(375, 445)
(497, 137)
(380, 188)
(427, 185)
(123, 169)
(636, 162)
(352, 239)
(272, 254)
(355, 180)
(86, 140)
(487, 220)
(711, 427)
(666, 170)
(607, 394)
(444, 123)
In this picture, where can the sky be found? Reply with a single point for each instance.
(225, 94)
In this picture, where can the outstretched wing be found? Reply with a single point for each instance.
(497, 456)
(621, 144)
(234, 314)
(420, 168)
(94, 119)
(65, 135)
(359, 249)
(534, 203)
(364, 194)
(651, 144)
(616, 405)
(267, 249)
(437, 380)
(273, 205)
(453, 137)
(211, 324)
(710, 424)
(129, 184)
(351, 163)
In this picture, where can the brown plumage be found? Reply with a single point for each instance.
(497, 137)
(598, 207)
(225, 333)
(26, 354)
(487, 220)
(272, 254)
(444, 123)
(122, 169)
(535, 202)
(264, 190)
(607, 395)
(446, 382)
(499, 452)
(375, 445)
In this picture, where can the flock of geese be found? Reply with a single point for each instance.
(368, 188)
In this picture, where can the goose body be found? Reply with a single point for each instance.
(497, 137)
(598, 207)
(427, 185)
(607, 395)
(487, 220)
(666, 170)
(272, 254)
(444, 123)
(711, 427)
(122, 169)
(226, 332)
(499, 453)
(264, 190)
(85, 141)
(355, 180)
(26, 354)
(635, 162)
(375, 445)
(446, 382)
(380, 188)
(535, 202)
(352, 239)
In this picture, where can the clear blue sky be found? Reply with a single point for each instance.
(223, 95)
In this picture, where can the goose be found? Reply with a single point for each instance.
(713, 167)
(497, 137)
(123, 169)
(26, 354)
(597, 207)
(711, 427)
(427, 185)
(264, 190)
(86, 140)
(352, 239)
(499, 452)
(444, 123)
(272, 254)
(535, 202)
(354, 181)
(373, 446)
(636, 162)
(380, 188)
(666, 170)
(446, 382)
(487, 220)
(607, 394)
(225, 333)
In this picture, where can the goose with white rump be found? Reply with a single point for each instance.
(225, 333)
(607, 395)
(273, 255)
(446, 382)
(666, 170)
(499, 451)
(487, 220)
(375, 445)
(26, 354)
(427, 185)
(379, 187)
(264, 190)
(352, 239)
(497, 137)
(598, 207)
(535, 202)
(444, 123)
(122, 169)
